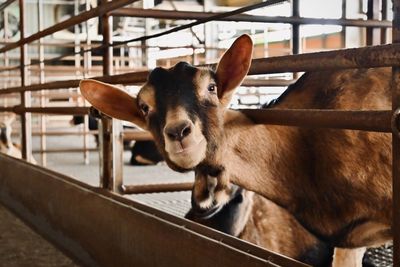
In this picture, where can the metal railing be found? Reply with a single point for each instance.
(111, 173)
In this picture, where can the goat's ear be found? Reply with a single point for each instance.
(112, 101)
(233, 68)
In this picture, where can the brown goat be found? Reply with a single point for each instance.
(254, 218)
(337, 183)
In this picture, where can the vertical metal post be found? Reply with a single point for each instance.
(86, 73)
(373, 34)
(6, 59)
(384, 12)
(42, 93)
(343, 33)
(396, 141)
(26, 129)
(295, 31)
(111, 145)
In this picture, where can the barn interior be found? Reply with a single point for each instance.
(74, 167)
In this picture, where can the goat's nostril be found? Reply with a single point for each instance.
(178, 132)
(186, 131)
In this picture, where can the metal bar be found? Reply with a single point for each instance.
(111, 142)
(126, 78)
(377, 121)
(384, 12)
(58, 133)
(43, 143)
(373, 34)
(137, 135)
(66, 150)
(376, 56)
(296, 40)
(26, 136)
(343, 33)
(156, 188)
(267, 82)
(84, 16)
(191, 15)
(365, 57)
(46, 110)
(90, 223)
(6, 4)
(396, 141)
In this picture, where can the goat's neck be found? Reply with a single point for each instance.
(262, 158)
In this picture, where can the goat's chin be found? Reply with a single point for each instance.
(190, 157)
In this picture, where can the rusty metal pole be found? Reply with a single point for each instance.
(396, 142)
(384, 12)
(42, 80)
(295, 32)
(25, 96)
(111, 147)
(373, 34)
(343, 32)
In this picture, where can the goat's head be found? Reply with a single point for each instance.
(183, 107)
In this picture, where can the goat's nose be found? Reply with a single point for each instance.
(178, 131)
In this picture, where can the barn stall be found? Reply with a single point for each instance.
(124, 217)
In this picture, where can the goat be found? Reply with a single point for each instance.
(6, 145)
(254, 218)
(336, 183)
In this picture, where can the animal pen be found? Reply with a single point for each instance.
(126, 232)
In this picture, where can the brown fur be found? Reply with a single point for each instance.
(321, 170)
(337, 183)
(261, 222)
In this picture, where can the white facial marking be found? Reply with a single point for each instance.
(192, 149)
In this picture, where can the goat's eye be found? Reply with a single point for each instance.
(144, 108)
(212, 88)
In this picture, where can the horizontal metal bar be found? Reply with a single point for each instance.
(6, 4)
(72, 215)
(65, 150)
(267, 82)
(126, 78)
(47, 110)
(190, 15)
(137, 135)
(54, 133)
(364, 57)
(84, 16)
(376, 121)
(156, 188)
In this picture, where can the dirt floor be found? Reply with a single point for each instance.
(20, 246)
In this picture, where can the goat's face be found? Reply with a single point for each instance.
(183, 107)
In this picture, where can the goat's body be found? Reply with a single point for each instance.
(273, 228)
(336, 182)
(258, 220)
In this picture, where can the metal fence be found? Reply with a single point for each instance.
(110, 131)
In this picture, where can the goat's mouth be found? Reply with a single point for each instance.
(187, 154)
(184, 148)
